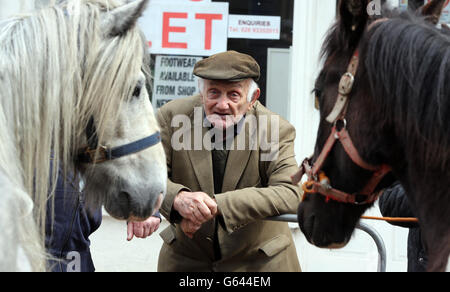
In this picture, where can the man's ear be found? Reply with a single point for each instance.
(432, 10)
(255, 97)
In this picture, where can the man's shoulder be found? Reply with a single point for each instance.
(181, 106)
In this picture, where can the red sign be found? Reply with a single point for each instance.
(186, 29)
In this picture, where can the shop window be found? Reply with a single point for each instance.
(258, 14)
(258, 48)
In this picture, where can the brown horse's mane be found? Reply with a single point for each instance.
(401, 83)
(407, 62)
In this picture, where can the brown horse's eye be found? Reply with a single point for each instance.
(316, 103)
(317, 95)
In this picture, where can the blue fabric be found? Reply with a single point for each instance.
(68, 239)
(394, 203)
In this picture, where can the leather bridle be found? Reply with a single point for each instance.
(317, 181)
(95, 153)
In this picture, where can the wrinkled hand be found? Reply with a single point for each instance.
(142, 229)
(189, 228)
(197, 207)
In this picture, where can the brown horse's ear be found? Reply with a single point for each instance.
(432, 10)
(353, 14)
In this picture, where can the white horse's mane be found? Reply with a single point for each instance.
(57, 70)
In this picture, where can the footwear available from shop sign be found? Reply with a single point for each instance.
(174, 78)
(186, 27)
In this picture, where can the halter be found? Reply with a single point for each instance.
(95, 153)
(317, 181)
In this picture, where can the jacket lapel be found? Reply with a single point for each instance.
(199, 156)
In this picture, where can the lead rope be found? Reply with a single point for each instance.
(392, 219)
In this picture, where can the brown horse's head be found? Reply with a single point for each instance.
(327, 222)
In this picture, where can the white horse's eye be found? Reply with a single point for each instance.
(137, 90)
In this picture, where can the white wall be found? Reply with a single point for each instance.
(8, 7)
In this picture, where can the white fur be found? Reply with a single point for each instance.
(58, 68)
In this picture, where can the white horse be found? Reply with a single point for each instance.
(72, 93)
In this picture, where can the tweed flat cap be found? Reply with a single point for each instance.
(230, 66)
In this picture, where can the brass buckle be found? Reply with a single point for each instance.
(98, 155)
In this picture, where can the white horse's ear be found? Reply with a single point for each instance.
(118, 21)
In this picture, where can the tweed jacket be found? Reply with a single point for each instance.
(256, 185)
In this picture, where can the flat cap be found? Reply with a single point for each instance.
(230, 66)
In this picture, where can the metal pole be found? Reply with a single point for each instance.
(292, 218)
(379, 242)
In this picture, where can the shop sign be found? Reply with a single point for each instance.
(254, 27)
(173, 78)
(195, 29)
(403, 4)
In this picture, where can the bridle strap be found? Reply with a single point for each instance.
(344, 89)
(339, 196)
(94, 153)
(103, 153)
(317, 181)
(351, 151)
(136, 146)
(347, 143)
(325, 151)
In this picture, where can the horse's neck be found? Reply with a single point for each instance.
(23, 262)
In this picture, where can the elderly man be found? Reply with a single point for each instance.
(225, 177)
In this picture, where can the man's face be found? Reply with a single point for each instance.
(226, 102)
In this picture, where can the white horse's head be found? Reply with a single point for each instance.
(74, 72)
(128, 175)
(126, 169)
(74, 76)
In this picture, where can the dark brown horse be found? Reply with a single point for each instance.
(391, 121)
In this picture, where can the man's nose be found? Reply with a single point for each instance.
(222, 104)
